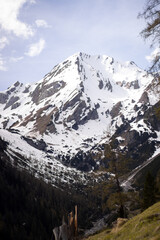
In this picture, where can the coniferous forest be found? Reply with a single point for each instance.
(31, 208)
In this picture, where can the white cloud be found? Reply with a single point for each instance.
(16, 59)
(32, 1)
(153, 55)
(42, 23)
(36, 48)
(2, 64)
(3, 42)
(9, 18)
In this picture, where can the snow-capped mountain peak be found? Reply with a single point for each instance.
(81, 103)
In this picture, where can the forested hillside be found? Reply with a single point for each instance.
(30, 208)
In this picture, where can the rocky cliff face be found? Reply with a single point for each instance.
(84, 103)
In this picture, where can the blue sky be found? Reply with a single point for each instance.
(35, 35)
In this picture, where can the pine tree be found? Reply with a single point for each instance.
(118, 166)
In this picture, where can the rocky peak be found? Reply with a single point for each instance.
(82, 103)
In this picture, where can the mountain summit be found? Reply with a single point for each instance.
(80, 105)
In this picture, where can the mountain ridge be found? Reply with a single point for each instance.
(81, 105)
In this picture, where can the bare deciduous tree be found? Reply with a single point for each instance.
(151, 14)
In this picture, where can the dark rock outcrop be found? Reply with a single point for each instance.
(72, 102)
(108, 86)
(15, 105)
(83, 162)
(100, 85)
(11, 101)
(79, 65)
(3, 98)
(116, 109)
(38, 144)
(82, 114)
(144, 98)
(44, 91)
(3, 145)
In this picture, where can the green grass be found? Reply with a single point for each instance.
(145, 226)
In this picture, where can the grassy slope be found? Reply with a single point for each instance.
(144, 226)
